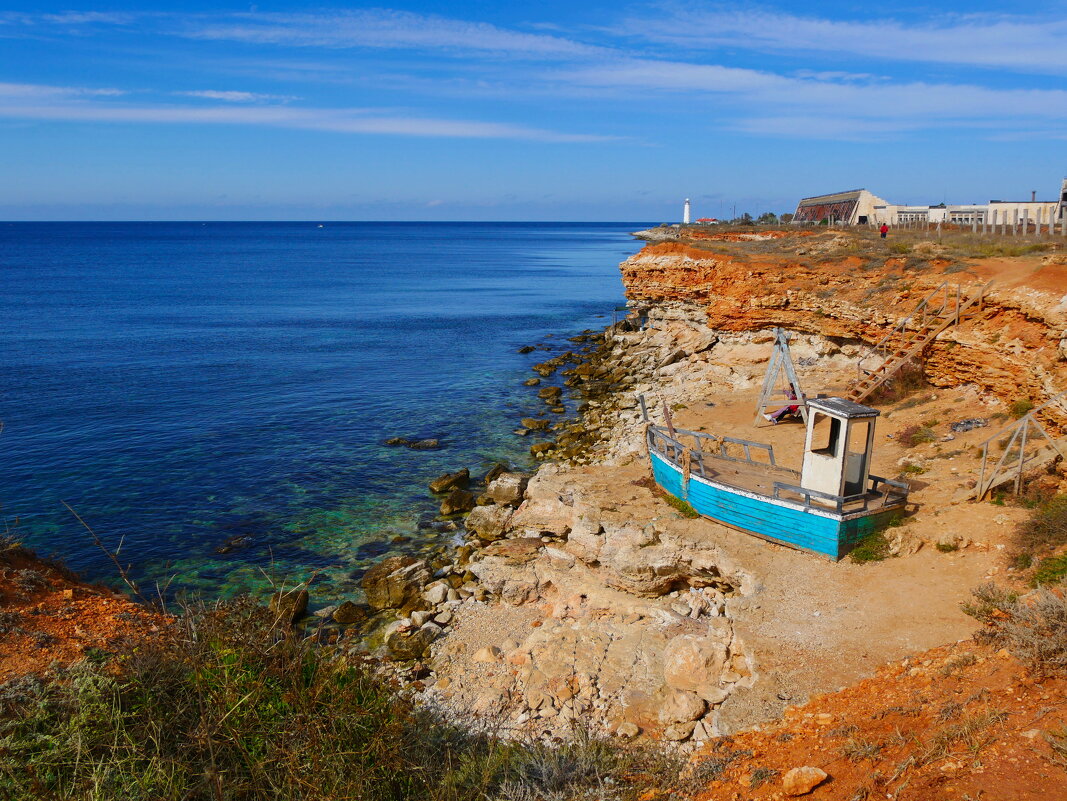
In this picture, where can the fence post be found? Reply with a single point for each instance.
(1015, 221)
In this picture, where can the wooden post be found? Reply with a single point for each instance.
(668, 419)
(1022, 455)
(974, 223)
(644, 409)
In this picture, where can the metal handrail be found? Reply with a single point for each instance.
(673, 447)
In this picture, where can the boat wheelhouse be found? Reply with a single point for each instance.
(826, 508)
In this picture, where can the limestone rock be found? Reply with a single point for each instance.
(405, 642)
(494, 472)
(489, 522)
(396, 583)
(436, 594)
(678, 731)
(541, 449)
(489, 654)
(289, 606)
(348, 613)
(695, 663)
(508, 488)
(451, 481)
(627, 729)
(801, 781)
(515, 552)
(682, 707)
(535, 423)
(457, 502)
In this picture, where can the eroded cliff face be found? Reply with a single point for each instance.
(1013, 346)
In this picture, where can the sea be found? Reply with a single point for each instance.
(208, 402)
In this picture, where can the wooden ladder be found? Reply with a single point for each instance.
(901, 345)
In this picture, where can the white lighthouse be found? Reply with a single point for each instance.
(685, 213)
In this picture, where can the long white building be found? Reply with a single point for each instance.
(860, 207)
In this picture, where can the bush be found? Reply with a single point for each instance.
(1020, 407)
(910, 436)
(1045, 528)
(229, 704)
(1032, 628)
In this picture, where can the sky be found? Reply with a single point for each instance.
(589, 111)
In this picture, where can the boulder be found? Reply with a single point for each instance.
(457, 502)
(549, 393)
(488, 523)
(542, 449)
(801, 781)
(508, 488)
(678, 731)
(348, 613)
(516, 551)
(535, 423)
(627, 729)
(289, 605)
(404, 641)
(489, 653)
(436, 594)
(531, 382)
(414, 444)
(451, 481)
(496, 470)
(396, 583)
(696, 664)
(682, 707)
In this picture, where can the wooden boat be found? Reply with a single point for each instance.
(826, 508)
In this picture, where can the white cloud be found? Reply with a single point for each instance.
(346, 120)
(235, 96)
(34, 90)
(380, 29)
(1023, 44)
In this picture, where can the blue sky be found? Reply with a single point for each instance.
(536, 111)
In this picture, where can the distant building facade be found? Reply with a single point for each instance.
(855, 207)
(860, 207)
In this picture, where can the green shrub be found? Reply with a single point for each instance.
(230, 705)
(1051, 570)
(1020, 407)
(1032, 628)
(910, 436)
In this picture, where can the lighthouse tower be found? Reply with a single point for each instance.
(685, 213)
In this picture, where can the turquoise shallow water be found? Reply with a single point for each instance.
(185, 385)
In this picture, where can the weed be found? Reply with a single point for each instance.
(931, 422)
(760, 776)
(858, 749)
(30, 581)
(1020, 407)
(1033, 629)
(1058, 743)
(681, 506)
(947, 546)
(957, 662)
(910, 403)
(950, 711)
(1051, 570)
(9, 622)
(971, 731)
(912, 469)
(872, 548)
(1045, 528)
(914, 435)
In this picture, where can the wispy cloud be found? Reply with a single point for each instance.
(381, 29)
(1022, 44)
(235, 96)
(65, 104)
(35, 90)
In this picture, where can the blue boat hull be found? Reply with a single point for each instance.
(820, 531)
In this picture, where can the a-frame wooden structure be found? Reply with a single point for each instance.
(781, 360)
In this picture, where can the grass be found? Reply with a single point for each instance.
(912, 469)
(911, 436)
(683, 507)
(1033, 628)
(972, 732)
(229, 704)
(1051, 570)
(875, 546)
(1020, 407)
(946, 546)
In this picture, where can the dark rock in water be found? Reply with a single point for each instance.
(549, 393)
(425, 445)
(457, 501)
(289, 606)
(534, 424)
(522, 432)
(372, 550)
(399, 539)
(494, 471)
(396, 583)
(451, 481)
(545, 369)
(541, 449)
(526, 349)
(414, 444)
(558, 410)
(234, 543)
(348, 613)
(531, 382)
(969, 424)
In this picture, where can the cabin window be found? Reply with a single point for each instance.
(857, 436)
(826, 431)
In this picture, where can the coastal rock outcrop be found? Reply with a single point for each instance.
(396, 583)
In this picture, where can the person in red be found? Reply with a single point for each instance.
(884, 230)
(777, 415)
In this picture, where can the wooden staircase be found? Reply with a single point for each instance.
(940, 309)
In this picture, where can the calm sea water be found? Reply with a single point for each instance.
(184, 384)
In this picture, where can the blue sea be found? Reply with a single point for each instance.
(184, 386)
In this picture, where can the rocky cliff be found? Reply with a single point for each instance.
(853, 290)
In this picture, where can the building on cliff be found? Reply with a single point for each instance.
(856, 207)
(860, 207)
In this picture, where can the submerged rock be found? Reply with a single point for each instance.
(414, 444)
(396, 583)
(457, 502)
(450, 481)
